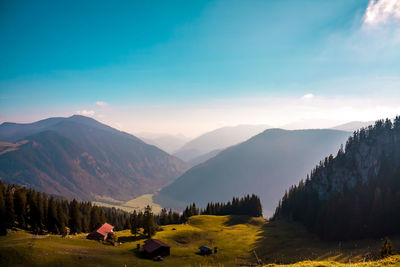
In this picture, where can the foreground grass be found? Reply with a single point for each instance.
(237, 238)
(390, 261)
(286, 243)
(233, 240)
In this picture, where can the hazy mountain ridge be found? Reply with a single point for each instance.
(80, 157)
(265, 165)
(168, 143)
(353, 125)
(218, 139)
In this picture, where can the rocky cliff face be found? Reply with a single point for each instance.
(362, 161)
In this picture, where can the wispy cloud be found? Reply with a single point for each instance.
(85, 112)
(101, 104)
(381, 11)
(307, 96)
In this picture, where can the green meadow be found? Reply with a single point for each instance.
(238, 240)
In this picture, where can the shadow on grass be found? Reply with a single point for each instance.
(132, 238)
(237, 219)
(285, 242)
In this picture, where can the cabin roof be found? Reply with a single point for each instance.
(151, 245)
(104, 230)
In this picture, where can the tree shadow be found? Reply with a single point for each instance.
(125, 239)
(283, 242)
(237, 219)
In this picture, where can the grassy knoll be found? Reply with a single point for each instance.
(236, 237)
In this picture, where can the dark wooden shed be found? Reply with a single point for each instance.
(205, 250)
(155, 247)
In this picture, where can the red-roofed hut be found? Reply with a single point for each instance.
(101, 233)
(154, 248)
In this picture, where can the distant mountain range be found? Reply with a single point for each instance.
(78, 157)
(266, 165)
(168, 143)
(197, 149)
(353, 126)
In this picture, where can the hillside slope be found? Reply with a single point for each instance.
(80, 157)
(265, 165)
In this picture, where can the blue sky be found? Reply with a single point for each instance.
(160, 65)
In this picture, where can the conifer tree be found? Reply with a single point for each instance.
(10, 212)
(149, 227)
(75, 217)
(3, 223)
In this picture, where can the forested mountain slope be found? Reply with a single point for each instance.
(355, 194)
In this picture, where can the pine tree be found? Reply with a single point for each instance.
(20, 204)
(75, 217)
(386, 249)
(10, 212)
(134, 223)
(149, 227)
(52, 217)
(3, 230)
(95, 220)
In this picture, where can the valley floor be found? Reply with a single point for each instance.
(236, 238)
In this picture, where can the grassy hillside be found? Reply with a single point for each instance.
(236, 237)
(138, 203)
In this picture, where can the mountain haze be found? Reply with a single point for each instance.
(353, 126)
(168, 143)
(266, 165)
(80, 157)
(216, 140)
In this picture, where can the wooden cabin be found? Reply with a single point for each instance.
(155, 247)
(101, 233)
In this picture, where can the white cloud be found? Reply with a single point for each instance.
(101, 104)
(85, 112)
(307, 96)
(380, 11)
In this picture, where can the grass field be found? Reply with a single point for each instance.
(138, 203)
(236, 238)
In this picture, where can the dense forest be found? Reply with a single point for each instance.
(355, 194)
(247, 205)
(39, 213)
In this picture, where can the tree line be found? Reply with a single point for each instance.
(350, 207)
(40, 213)
(247, 205)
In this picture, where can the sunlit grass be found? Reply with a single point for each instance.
(237, 237)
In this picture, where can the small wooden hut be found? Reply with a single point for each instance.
(155, 247)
